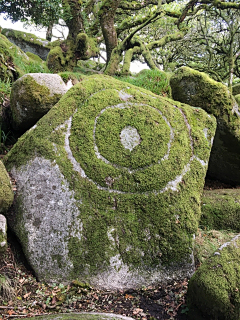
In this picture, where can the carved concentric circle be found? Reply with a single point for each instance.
(154, 157)
(154, 132)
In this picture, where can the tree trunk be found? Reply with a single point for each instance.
(49, 31)
(106, 17)
(73, 18)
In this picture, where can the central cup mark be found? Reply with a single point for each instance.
(130, 137)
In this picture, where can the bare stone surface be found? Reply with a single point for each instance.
(130, 138)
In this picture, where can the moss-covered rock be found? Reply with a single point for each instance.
(14, 63)
(221, 209)
(28, 42)
(236, 89)
(109, 185)
(3, 235)
(32, 96)
(199, 90)
(6, 193)
(34, 56)
(83, 316)
(8, 66)
(213, 291)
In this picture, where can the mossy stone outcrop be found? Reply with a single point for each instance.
(199, 90)
(109, 185)
(221, 209)
(9, 66)
(6, 193)
(32, 96)
(28, 42)
(213, 291)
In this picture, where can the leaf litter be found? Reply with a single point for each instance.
(23, 296)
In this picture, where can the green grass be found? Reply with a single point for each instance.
(7, 289)
(5, 89)
(156, 81)
(31, 66)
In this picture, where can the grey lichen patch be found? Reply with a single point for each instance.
(3, 234)
(50, 211)
(137, 210)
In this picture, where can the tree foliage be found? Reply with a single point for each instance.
(158, 32)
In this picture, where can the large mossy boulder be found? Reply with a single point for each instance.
(199, 90)
(221, 209)
(6, 193)
(28, 42)
(213, 291)
(32, 96)
(109, 185)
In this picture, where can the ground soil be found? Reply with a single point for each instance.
(31, 297)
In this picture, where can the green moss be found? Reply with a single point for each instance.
(237, 98)
(123, 201)
(55, 60)
(14, 62)
(199, 90)
(213, 291)
(221, 209)
(74, 76)
(236, 89)
(34, 57)
(6, 193)
(65, 56)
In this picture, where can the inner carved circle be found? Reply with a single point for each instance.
(130, 138)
